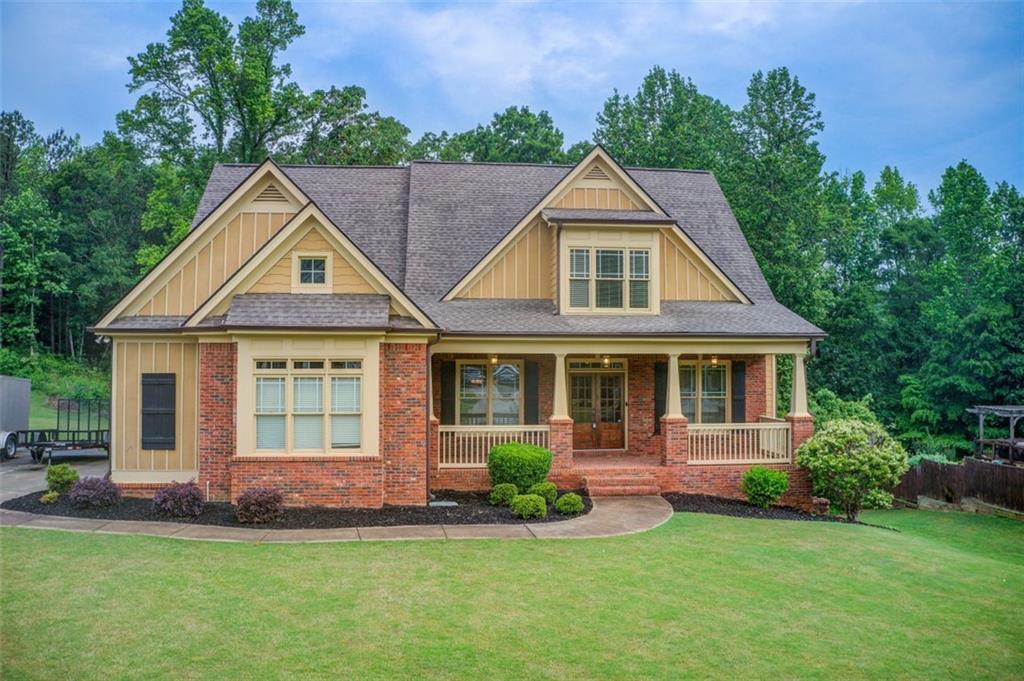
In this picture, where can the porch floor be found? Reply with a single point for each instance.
(613, 459)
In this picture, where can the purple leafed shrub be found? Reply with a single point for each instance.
(259, 505)
(179, 499)
(94, 493)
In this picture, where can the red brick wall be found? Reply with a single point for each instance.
(755, 396)
(312, 480)
(403, 422)
(724, 481)
(640, 408)
(217, 373)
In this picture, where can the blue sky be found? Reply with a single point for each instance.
(916, 85)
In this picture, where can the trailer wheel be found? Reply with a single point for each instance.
(10, 446)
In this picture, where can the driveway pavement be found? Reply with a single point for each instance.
(21, 475)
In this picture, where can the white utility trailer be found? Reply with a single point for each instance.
(14, 396)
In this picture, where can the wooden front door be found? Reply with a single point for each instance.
(597, 405)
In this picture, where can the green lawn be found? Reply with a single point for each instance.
(40, 414)
(701, 596)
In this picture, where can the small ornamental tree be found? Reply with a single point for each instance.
(850, 461)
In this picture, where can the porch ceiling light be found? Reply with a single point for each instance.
(494, 359)
(606, 360)
(714, 360)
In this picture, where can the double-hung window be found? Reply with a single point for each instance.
(490, 394)
(308, 405)
(704, 391)
(609, 278)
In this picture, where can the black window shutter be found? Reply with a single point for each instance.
(158, 418)
(660, 390)
(447, 393)
(739, 392)
(530, 407)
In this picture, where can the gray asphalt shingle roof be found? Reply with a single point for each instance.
(321, 310)
(427, 224)
(596, 215)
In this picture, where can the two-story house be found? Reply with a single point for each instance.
(359, 336)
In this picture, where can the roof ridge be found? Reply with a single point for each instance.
(697, 171)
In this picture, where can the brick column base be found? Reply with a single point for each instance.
(801, 429)
(674, 444)
(217, 373)
(560, 444)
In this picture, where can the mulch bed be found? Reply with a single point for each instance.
(473, 509)
(703, 503)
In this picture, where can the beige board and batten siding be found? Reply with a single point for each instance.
(184, 283)
(132, 358)
(684, 276)
(596, 189)
(523, 270)
(343, 276)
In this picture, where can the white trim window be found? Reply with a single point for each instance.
(291, 396)
(610, 279)
(705, 390)
(489, 394)
(312, 272)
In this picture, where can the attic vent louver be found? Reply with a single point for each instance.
(271, 193)
(595, 173)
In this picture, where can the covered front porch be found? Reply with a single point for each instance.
(620, 416)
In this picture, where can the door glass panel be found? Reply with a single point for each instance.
(712, 394)
(505, 394)
(581, 397)
(611, 399)
(688, 390)
(473, 394)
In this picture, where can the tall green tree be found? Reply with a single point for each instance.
(342, 131)
(668, 123)
(778, 183)
(515, 135)
(205, 86)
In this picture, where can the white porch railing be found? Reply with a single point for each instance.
(725, 443)
(468, 446)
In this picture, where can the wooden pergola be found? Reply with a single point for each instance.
(1012, 444)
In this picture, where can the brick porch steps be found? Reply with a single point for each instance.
(620, 483)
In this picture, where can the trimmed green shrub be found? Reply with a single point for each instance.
(503, 494)
(95, 492)
(527, 506)
(522, 465)
(49, 498)
(569, 503)
(847, 460)
(259, 505)
(61, 477)
(547, 490)
(763, 486)
(878, 499)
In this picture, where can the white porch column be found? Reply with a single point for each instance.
(560, 409)
(798, 401)
(674, 403)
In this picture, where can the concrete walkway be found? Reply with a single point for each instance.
(610, 517)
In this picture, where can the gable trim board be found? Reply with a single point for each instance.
(163, 270)
(597, 153)
(282, 242)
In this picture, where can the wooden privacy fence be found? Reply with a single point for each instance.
(993, 483)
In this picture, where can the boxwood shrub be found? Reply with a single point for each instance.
(503, 494)
(94, 492)
(569, 503)
(520, 464)
(528, 506)
(61, 477)
(763, 486)
(547, 490)
(180, 500)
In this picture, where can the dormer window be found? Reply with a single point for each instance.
(311, 272)
(609, 279)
